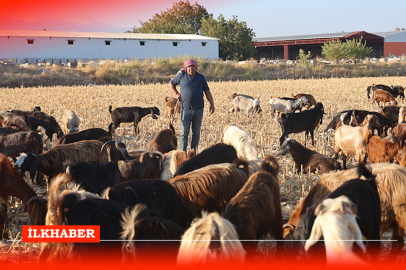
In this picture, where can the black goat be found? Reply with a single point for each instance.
(87, 134)
(95, 177)
(158, 195)
(309, 159)
(365, 196)
(130, 114)
(304, 121)
(37, 118)
(137, 225)
(218, 153)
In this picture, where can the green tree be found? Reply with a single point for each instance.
(235, 37)
(304, 58)
(334, 50)
(337, 50)
(182, 18)
(356, 49)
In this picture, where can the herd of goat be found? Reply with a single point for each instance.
(212, 206)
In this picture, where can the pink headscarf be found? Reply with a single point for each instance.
(187, 63)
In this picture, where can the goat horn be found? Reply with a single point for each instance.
(36, 198)
(106, 144)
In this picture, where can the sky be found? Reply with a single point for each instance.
(267, 18)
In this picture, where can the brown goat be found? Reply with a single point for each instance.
(391, 182)
(211, 187)
(399, 134)
(164, 141)
(13, 184)
(391, 112)
(256, 211)
(171, 104)
(312, 100)
(354, 140)
(383, 96)
(11, 120)
(381, 150)
(402, 115)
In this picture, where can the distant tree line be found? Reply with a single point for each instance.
(235, 37)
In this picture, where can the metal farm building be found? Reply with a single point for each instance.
(16, 44)
(383, 44)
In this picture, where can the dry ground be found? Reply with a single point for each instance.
(91, 104)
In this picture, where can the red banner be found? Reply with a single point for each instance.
(67, 234)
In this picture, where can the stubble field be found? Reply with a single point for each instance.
(91, 104)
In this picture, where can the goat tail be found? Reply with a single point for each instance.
(54, 215)
(367, 173)
(110, 107)
(270, 165)
(131, 220)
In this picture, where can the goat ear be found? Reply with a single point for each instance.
(33, 168)
(315, 235)
(319, 209)
(355, 230)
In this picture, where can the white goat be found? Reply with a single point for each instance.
(354, 140)
(288, 106)
(246, 104)
(336, 222)
(70, 122)
(241, 141)
(210, 239)
(171, 161)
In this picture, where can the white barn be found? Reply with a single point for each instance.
(24, 44)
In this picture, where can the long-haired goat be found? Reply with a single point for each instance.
(256, 211)
(216, 154)
(75, 207)
(171, 162)
(137, 225)
(241, 141)
(13, 121)
(12, 145)
(211, 187)
(309, 159)
(336, 222)
(70, 122)
(51, 163)
(87, 134)
(13, 184)
(391, 182)
(158, 195)
(164, 141)
(210, 239)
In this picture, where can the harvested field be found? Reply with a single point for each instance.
(91, 104)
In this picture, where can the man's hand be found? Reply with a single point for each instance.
(212, 109)
(179, 97)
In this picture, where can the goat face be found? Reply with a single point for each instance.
(285, 146)
(257, 107)
(154, 112)
(27, 162)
